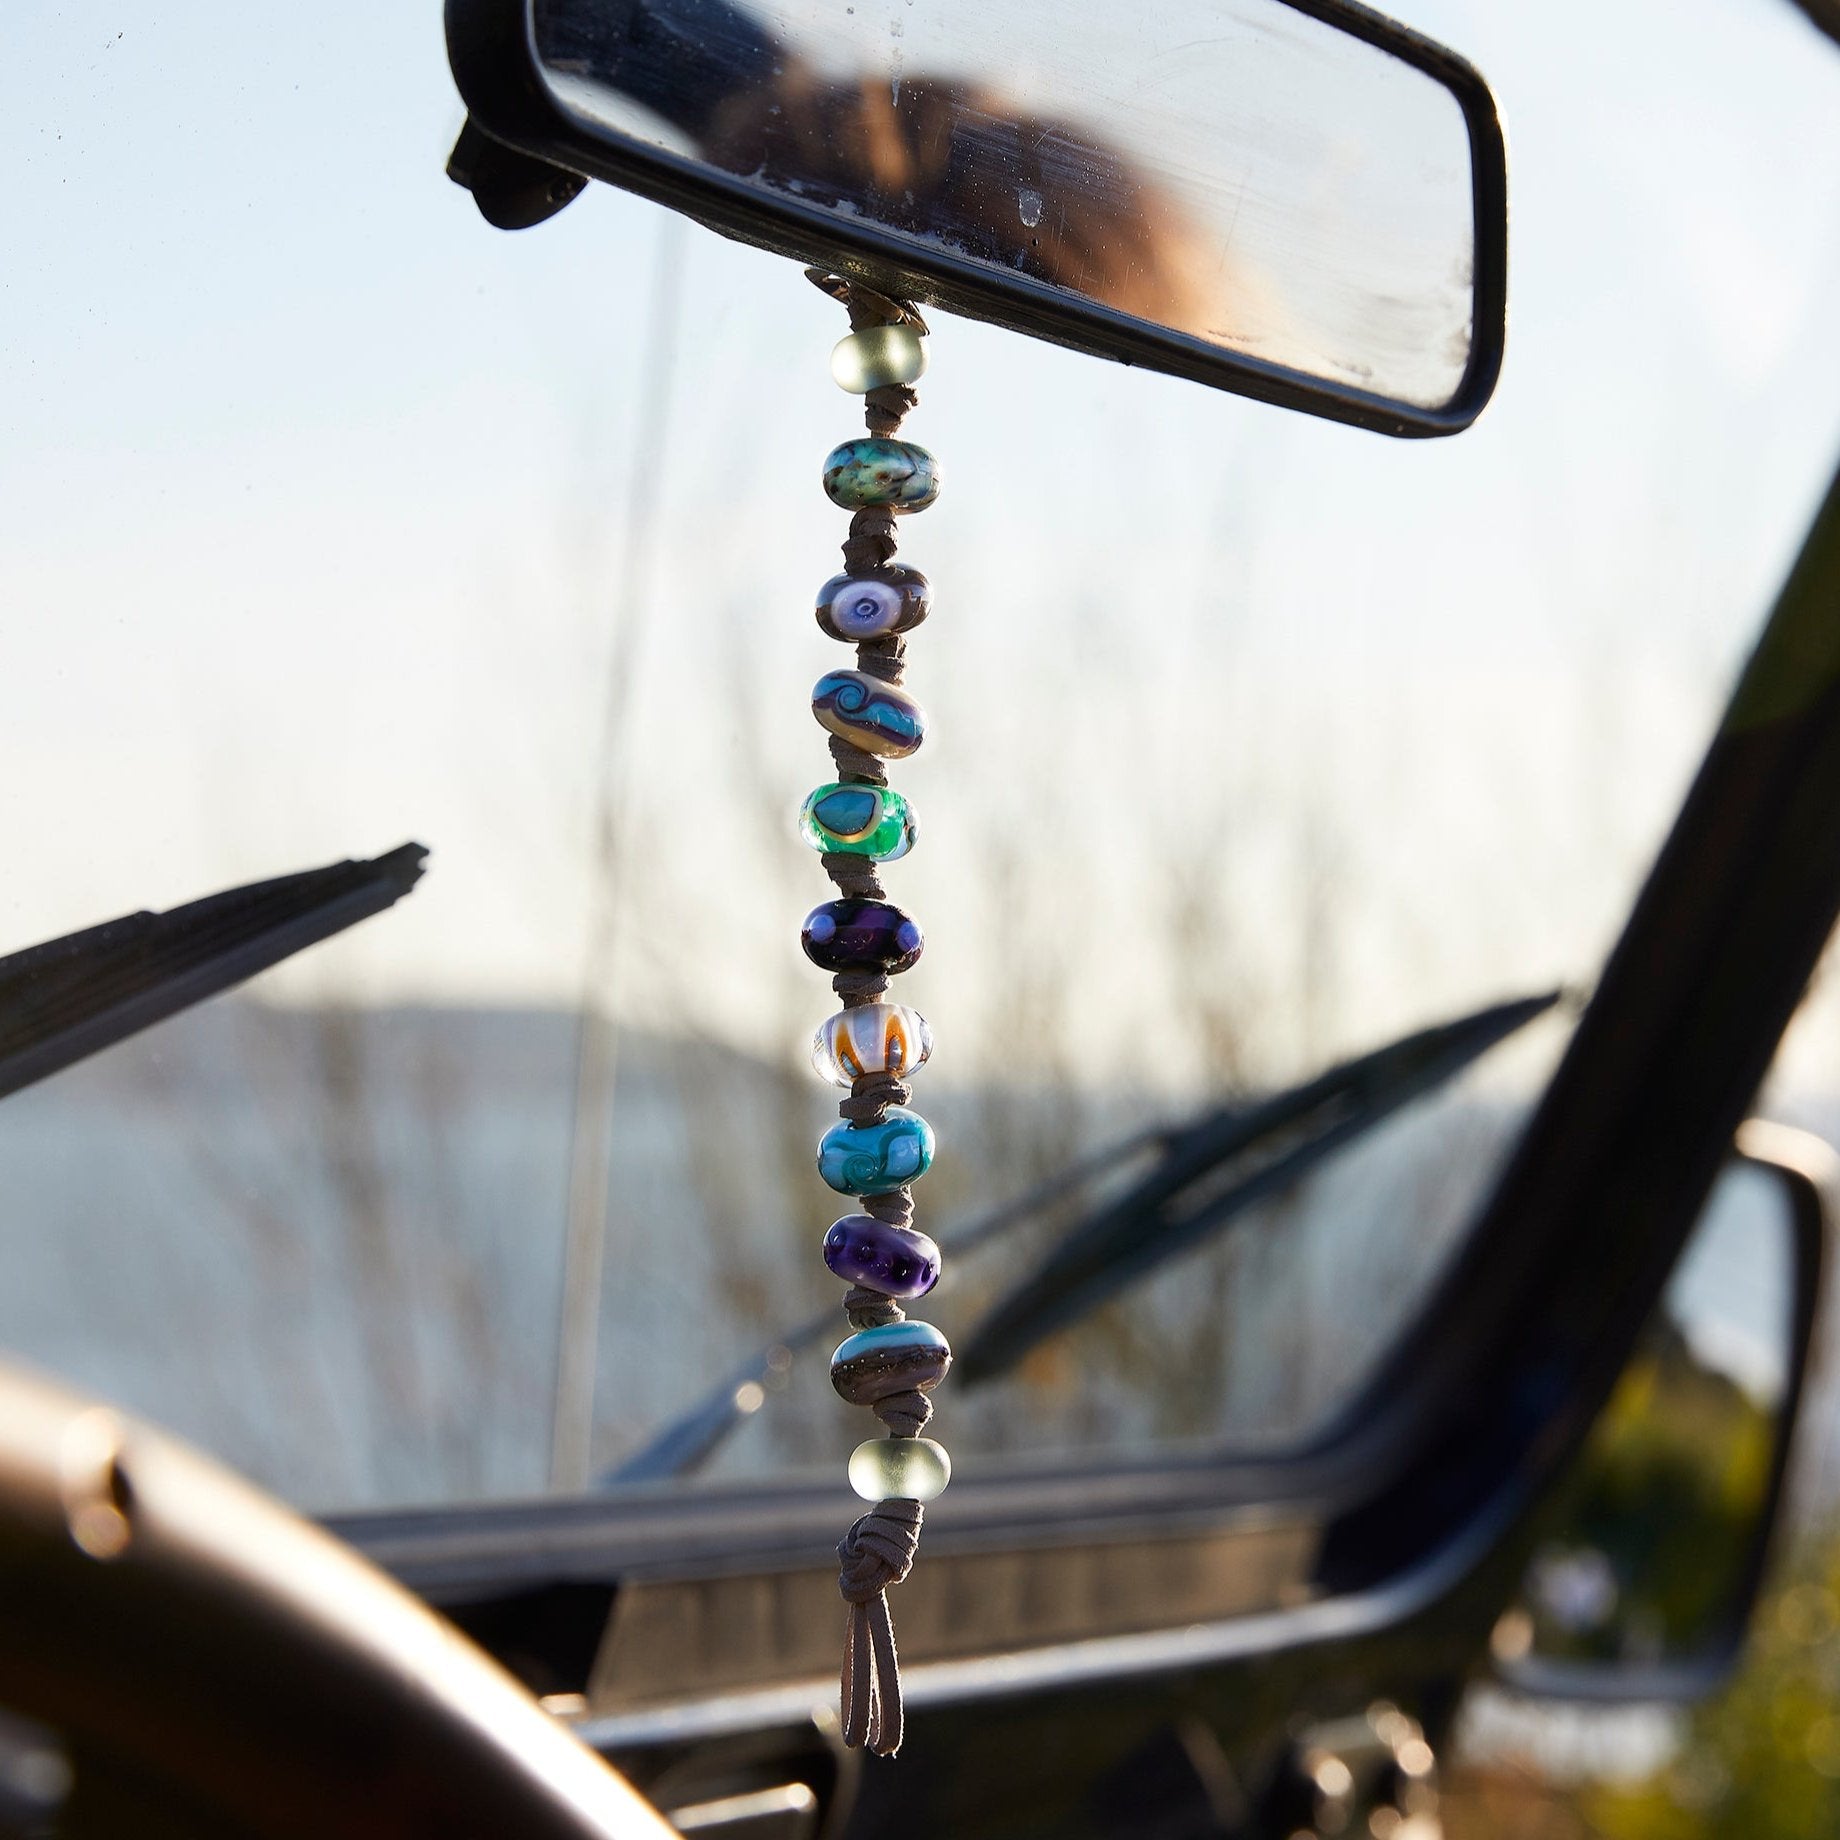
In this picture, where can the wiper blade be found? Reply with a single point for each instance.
(1220, 1166)
(62, 1001)
(1294, 1129)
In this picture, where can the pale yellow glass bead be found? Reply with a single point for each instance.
(899, 1469)
(877, 355)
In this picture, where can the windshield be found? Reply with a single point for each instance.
(334, 520)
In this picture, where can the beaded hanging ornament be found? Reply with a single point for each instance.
(878, 1148)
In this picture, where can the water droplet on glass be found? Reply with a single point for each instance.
(1029, 203)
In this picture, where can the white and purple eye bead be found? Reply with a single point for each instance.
(872, 605)
(896, 1261)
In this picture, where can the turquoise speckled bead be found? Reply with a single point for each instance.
(857, 820)
(899, 1469)
(879, 355)
(896, 475)
(897, 1358)
(868, 713)
(871, 1038)
(876, 1159)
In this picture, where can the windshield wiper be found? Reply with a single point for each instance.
(62, 1001)
(1184, 1196)
(1218, 1168)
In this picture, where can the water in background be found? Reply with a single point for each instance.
(327, 1245)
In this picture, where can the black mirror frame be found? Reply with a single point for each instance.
(1805, 1169)
(491, 46)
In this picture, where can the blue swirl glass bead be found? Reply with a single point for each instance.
(869, 713)
(871, 1038)
(879, 355)
(876, 1159)
(897, 1261)
(854, 933)
(893, 599)
(898, 1358)
(899, 1469)
(859, 820)
(873, 472)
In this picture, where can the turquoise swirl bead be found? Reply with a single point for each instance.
(899, 1469)
(868, 713)
(893, 475)
(857, 820)
(876, 1159)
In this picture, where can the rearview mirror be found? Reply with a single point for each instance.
(1654, 1551)
(1297, 200)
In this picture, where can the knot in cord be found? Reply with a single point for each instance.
(871, 1309)
(877, 1552)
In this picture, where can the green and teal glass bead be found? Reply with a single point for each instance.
(858, 820)
(876, 1159)
(872, 472)
(899, 1469)
(878, 355)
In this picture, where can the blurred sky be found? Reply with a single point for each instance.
(317, 497)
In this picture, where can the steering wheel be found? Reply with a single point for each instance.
(179, 1654)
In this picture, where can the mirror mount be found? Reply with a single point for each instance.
(512, 190)
(496, 53)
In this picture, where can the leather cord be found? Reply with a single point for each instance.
(878, 1551)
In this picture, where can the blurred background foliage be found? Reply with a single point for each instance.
(1761, 1761)
(1764, 1757)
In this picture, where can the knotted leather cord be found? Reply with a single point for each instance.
(878, 1551)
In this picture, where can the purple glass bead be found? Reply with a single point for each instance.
(857, 934)
(895, 1260)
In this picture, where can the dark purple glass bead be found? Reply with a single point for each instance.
(863, 1250)
(855, 934)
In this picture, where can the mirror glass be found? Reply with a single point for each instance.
(1648, 1561)
(1231, 170)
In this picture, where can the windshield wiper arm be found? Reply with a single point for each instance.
(1221, 1166)
(1298, 1127)
(62, 1001)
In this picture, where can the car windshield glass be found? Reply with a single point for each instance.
(335, 520)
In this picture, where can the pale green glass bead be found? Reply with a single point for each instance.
(878, 355)
(899, 1469)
